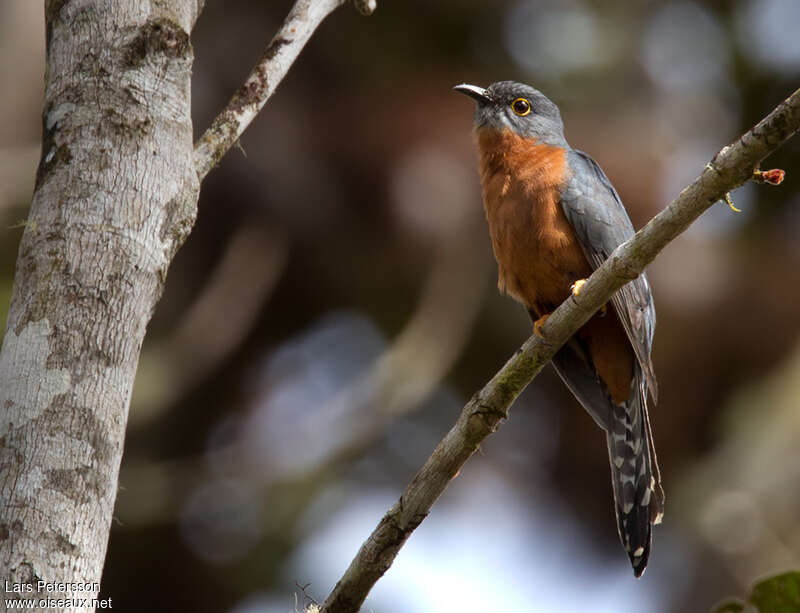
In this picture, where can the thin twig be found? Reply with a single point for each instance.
(249, 99)
(730, 168)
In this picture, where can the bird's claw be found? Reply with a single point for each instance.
(537, 325)
(576, 287)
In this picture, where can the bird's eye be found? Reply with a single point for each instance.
(521, 107)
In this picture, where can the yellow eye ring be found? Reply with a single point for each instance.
(521, 107)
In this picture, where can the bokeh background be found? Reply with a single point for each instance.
(335, 306)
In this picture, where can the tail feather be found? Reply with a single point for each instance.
(638, 498)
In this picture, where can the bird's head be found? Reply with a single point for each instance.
(508, 105)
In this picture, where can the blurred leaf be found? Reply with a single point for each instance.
(778, 594)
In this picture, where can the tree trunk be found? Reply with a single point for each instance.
(115, 196)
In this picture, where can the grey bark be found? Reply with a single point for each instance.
(115, 196)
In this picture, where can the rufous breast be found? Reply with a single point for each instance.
(536, 248)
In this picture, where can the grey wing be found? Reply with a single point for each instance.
(593, 207)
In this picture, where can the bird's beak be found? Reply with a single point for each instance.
(473, 91)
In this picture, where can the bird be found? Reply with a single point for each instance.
(553, 218)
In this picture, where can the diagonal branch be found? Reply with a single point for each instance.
(249, 99)
(731, 167)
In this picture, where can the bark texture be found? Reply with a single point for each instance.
(115, 196)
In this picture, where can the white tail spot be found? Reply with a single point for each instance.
(627, 479)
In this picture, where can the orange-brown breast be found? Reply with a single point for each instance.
(538, 254)
(537, 251)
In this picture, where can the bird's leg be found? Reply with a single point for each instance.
(576, 288)
(537, 325)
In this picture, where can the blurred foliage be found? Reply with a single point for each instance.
(778, 594)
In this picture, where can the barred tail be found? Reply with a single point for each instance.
(638, 497)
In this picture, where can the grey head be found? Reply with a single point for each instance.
(518, 107)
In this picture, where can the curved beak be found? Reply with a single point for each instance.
(473, 91)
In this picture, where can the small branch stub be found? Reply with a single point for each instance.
(729, 200)
(770, 177)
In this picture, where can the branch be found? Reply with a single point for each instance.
(260, 84)
(731, 167)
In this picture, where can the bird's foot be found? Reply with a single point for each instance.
(576, 287)
(537, 325)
